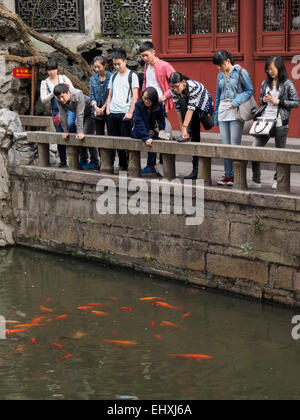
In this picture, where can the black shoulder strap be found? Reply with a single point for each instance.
(130, 85)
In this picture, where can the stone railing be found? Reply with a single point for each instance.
(32, 121)
(170, 149)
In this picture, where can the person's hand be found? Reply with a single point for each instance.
(231, 107)
(151, 133)
(128, 116)
(65, 136)
(80, 136)
(99, 111)
(149, 142)
(163, 98)
(184, 133)
(271, 99)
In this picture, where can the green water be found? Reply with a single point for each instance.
(253, 355)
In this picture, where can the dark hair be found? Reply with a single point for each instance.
(279, 64)
(146, 46)
(177, 78)
(103, 60)
(221, 56)
(153, 96)
(51, 64)
(119, 54)
(61, 88)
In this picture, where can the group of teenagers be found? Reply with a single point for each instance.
(126, 106)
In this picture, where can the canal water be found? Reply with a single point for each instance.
(78, 330)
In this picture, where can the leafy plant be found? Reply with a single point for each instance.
(246, 249)
(126, 21)
(258, 225)
(87, 221)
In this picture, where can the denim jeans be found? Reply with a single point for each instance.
(280, 143)
(72, 129)
(231, 133)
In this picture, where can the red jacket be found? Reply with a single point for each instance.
(163, 71)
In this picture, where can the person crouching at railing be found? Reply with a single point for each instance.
(47, 95)
(193, 103)
(149, 117)
(74, 100)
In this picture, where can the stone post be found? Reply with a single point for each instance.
(240, 174)
(73, 157)
(134, 168)
(169, 166)
(43, 153)
(107, 161)
(204, 170)
(284, 178)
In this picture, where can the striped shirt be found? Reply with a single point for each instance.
(199, 98)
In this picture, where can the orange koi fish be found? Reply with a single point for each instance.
(8, 332)
(112, 298)
(26, 326)
(159, 337)
(126, 308)
(148, 299)
(48, 300)
(170, 324)
(99, 313)
(191, 356)
(43, 308)
(166, 305)
(96, 304)
(121, 343)
(84, 308)
(38, 320)
(67, 356)
(60, 317)
(57, 345)
(79, 335)
(186, 315)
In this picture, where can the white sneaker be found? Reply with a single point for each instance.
(159, 169)
(253, 184)
(274, 185)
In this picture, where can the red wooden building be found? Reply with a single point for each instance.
(186, 33)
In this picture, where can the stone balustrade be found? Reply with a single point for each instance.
(170, 149)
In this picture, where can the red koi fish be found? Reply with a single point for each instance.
(26, 326)
(43, 308)
(67, 356)
(60, 317)
(121, 343)
(191, 356)
(170, 324)
(99, 313)
(152, 324)
(112, 298)
(186, 315)
(33, 340)
(166, 305)
(96, 304)
(8, 332)
(57, 345)
(84, 308)
(126, 308)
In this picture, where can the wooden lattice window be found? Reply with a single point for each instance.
(295, 15)
(52, 15)
(274, 15)
(132, 8)
(201, 15)
(227, 16)
(177, 17)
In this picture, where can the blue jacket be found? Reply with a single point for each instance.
(143, 123)
(99, 93)
(230, 90)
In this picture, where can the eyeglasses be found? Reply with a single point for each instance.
(145, 99)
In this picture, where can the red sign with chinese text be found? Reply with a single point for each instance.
(22, 73)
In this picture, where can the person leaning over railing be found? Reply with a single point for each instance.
(191, 100)
(278, 96)
(227, 100)
(74, 100)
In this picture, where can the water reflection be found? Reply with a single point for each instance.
(72, 355)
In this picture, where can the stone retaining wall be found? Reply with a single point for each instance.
(249, 243)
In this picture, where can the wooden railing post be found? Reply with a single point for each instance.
(169, 166)
(204, 170)
(43, 153)
(107, 161)
(134, 167)
(73, 157)
(240, 174)
(284, 178)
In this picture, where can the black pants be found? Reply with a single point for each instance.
(89, 128)
(120, 128)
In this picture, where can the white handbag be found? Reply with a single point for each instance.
(263, 127)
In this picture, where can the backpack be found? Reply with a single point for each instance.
(131, 72)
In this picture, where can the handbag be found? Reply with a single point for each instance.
(246, 110)
(263, 127)
(208, 121)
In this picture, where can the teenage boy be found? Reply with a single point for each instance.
(123, 91)
(156, 74)
(74, 100)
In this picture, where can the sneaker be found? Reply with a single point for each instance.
(91, 167)
(274, 185)
(82, 163)
(63, 165)
(224, 180)
(230, 183)
(159, 169)
(253, 184)
(148, 171)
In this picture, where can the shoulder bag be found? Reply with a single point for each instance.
(246, 111)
